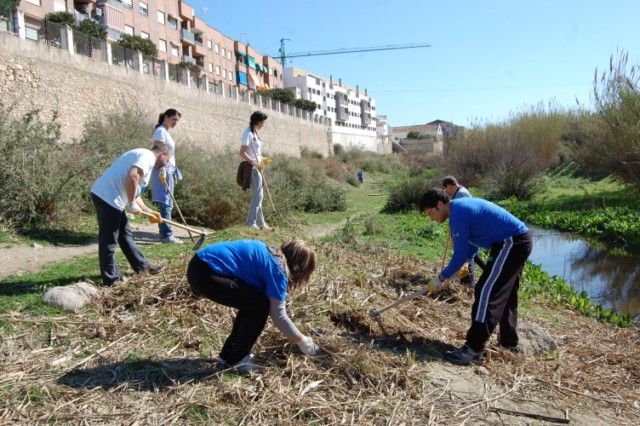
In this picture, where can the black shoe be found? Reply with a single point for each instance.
(514, 349)
(464, 356)
(154, 268)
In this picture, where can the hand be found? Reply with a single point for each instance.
(162, 175)
(133, 208)
(435, 284)
(463, 272)
(307, 346)
(155, 217)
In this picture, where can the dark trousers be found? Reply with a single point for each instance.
(496, 294)
(252, 305)
(113, 231)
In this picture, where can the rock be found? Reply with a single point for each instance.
(481, 371)
(71, 297)
(101, 332)
(36, 246)
(534, 340)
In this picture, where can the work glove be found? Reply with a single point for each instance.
(435, 284)
(307, 346)
(162, 175)
(463, 272)
(133, 208)
(155, 217)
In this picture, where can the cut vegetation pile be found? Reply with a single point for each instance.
(146, 355)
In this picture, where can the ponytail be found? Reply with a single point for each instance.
(168, 113)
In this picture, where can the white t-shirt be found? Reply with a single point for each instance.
(253, 142)
(110, 185)
(162, 135)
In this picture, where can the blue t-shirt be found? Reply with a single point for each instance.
(250, 261)
(475, 223)
(462, 192)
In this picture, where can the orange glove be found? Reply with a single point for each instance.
(463, 272)
(155, 217)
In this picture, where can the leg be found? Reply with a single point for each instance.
(164, 229)
(495, 287)
(508, 336)
(255, 216)
(108, 229)
(252, 305)
(136, 259)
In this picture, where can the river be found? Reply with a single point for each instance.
(610, 280)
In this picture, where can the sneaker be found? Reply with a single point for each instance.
(464, 356)
(170, 240)
(514, 349)
(254, 226)
(246, 365)
(265, 227)
(154, 268)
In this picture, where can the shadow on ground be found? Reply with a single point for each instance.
(141, 375)
(11, 287)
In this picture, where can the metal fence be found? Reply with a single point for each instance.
(122, 56)
(84, 44)
(153, 66)
(53, 34)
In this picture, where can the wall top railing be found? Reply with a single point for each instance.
(112, 54)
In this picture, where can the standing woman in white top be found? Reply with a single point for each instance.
(250, 151)
(161, 191)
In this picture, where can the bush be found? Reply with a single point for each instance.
(37, 172)
(353, 181)
(309, 153)
(372, 226)
(135, 42)
(405, 195)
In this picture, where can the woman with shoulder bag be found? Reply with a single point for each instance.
(250, 150)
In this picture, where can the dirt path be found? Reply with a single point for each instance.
(22, 259)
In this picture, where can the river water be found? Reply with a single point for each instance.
(612, 281)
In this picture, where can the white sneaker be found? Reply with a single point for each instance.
(246, 365)
(265, 227)
(170, 240)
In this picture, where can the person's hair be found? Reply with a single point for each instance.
(160, 147)
(168, 113)
(431, 197)
(301, 261)
(449, 180)
(256, 118)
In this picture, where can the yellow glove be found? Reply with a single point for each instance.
(155, 217)
(162, 175)
(266, 161)
(434, 285)
(463, 272)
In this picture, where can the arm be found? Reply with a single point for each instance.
(278, 314)
(461, 249)
(132, 183)
(245, 155)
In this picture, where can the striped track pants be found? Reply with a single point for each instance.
(496, 293)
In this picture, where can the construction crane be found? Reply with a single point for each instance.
(284, 56)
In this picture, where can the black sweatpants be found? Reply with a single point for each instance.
(496, 294)
(252, 305)
(114, 231)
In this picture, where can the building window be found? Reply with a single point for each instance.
(210, 67)
(216, 48)
(161, 17)
(31, 33)
(162, 45)
(224, 53)
(37, 3)
(128, 3)
(230, 75)
(128, 30)
(228, 54)
(143, 8)
(217, 69)
(174, 50)
(173, 22)
(209, 44)
(144, 35)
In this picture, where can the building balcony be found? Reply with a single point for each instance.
(187, 36)
(188, 59)
(117, 4)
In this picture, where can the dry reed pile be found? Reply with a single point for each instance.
(145, 355)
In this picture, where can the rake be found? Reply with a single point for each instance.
(200, 232)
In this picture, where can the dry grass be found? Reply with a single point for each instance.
(146, 354)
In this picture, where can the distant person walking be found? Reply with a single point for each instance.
(254, 278)
(163, 181)
(117, 192)
(360, 175)
(250, 150)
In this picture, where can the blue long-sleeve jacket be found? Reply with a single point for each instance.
(476, 223)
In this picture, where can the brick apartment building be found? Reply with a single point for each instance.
(179, 35)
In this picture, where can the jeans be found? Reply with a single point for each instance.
(113, 231)
(252, 305)
(255, 215)
(164, 229)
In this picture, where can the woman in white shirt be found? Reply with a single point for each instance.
(161, 191)
(250, 151)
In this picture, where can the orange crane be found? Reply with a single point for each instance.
(284, 56)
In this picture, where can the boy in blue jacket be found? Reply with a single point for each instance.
(476, 223)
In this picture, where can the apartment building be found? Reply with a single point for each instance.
(352, 112)
(172, 25)
(255, 71)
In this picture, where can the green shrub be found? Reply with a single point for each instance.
(405, 195)
(338, 150)
(309, 153)
(372, 225)
(353, 181)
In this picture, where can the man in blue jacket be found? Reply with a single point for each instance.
(476, 223)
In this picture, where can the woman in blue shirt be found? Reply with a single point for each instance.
(254, 278)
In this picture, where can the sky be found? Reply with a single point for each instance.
(488, 60)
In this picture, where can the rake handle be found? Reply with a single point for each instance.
(179, 212)
(176, 224)
(403, 299)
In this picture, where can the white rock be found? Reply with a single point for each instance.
(71, 297)
(37, 246)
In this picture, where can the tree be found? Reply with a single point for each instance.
(64, 18)
(283, 95)
(134, 42)
(91, 28)
(7, 7)
(413, 135)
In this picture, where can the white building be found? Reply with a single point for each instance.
(352, 113)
